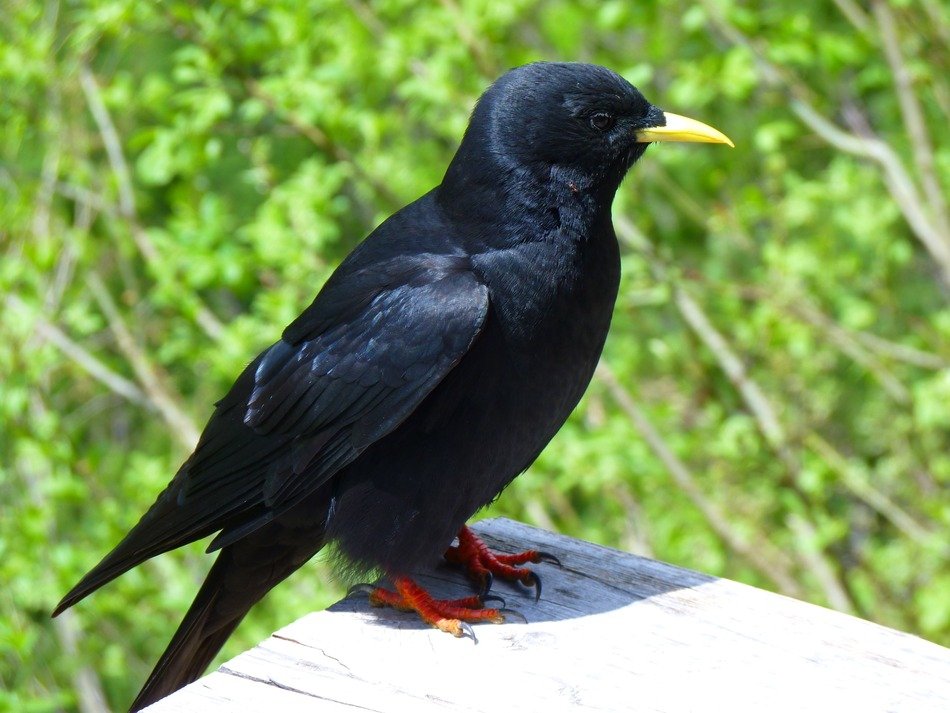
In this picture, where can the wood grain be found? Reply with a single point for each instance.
(612, 631)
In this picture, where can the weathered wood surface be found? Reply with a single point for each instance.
(612, 632)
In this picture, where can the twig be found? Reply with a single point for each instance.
(92, 698)
(842, 339)
(896, 177)
(754, 398)
(471, 40)
(120, 167)
(870, 495)
(75, 352)
(182, 426)
(800, 305)
(731, 365)
(942, 97)
(684, 201)
(901, 352)
(110, 139)
(762, 555)
(378, 28)
(939, 19)
(50, 170)
(811, 551)
(764, 415)
(855, 15)
(89, 692)
(538, 513)
(913, 116)
(636, 536)
(319, 138)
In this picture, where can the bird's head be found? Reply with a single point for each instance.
(575, 120)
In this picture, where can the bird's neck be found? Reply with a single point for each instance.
(515, 203)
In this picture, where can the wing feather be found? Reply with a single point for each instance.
(330, 388)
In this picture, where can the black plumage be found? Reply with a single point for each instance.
(432, 368)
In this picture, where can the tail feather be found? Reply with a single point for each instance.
(199, 638)
(242, 574)
(140, 544)
(240, 577)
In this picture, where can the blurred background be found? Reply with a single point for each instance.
(178, 179)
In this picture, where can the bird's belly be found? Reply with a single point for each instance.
(401, 502)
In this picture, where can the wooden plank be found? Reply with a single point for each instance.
(612, 632)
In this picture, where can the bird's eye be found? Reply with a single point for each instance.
(602, 121)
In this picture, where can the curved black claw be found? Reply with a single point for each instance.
(467, 630)
(548, 557)
(485, 585)
(514, 612)
(361, 588)
(533, 580)
(491, 597)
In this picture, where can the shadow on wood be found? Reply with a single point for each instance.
(590, 580)
(612, 632)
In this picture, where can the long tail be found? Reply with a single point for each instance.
(217, 610)
(242, 574)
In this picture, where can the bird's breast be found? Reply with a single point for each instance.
(551, 306)
(546, 295)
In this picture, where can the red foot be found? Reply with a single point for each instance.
(483, 564)
(449, 615)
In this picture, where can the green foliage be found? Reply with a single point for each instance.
(178, 179)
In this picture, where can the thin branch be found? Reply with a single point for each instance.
(471, 40)
(85, 197)
(913, 115)
(732, 367)
(636, 535)
(182, 426)
(312, 133)
(92, 698)
(855, 15)
(939, 19)
(120, 168)
(849, 346)
(687, 203)
(855, 483)
(767, 420)
(942, 97)
(321, 140)
(754, 398)
(871, 496)
(370, 20)
(811, 551)
(75, 352)
(110, 139)
(538, 514)
(896, 177)
(762, 555)
(800, 305)
(901, 352)
(89, 692)
(730, 364)
(50, 170)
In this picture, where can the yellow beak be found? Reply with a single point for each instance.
(681, 128)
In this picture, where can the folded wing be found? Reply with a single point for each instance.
(348, 371)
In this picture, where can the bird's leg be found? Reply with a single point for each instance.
(450, 615)
(483, 564)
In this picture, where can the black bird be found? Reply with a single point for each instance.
(431, 369)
